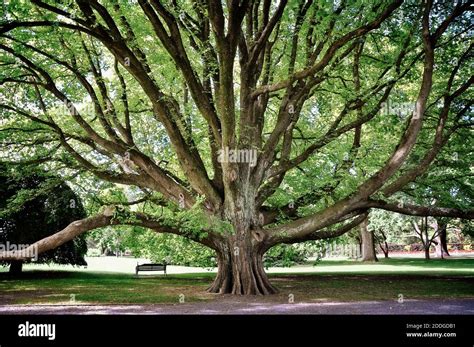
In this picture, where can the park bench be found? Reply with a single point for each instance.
(150, 267)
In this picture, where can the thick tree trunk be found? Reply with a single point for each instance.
(16, 267)
(442, 246)
(241, 271)
(368, 245)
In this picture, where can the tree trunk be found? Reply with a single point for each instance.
(384, 244)
(368, 245)
(427, 253)
(16, 267)
(384, 248)
(442, 246)
(240, 270)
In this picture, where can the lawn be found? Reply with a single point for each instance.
(330, 280)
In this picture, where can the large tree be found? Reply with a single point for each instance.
(251, 123)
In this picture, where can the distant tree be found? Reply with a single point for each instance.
(368, 242)
(388, 227)
(108, 240)
(441, 240)
(35, 206)
(383, 244)
(422, 230)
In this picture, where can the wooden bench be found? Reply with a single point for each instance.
(150, 267)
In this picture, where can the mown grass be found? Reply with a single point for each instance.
(388, 279)
(83, 287)
(374, 287)
(415, 266)
(329, 281)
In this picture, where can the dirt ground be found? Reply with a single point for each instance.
(245, 306)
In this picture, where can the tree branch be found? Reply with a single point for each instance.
(416, 210)
(105, 218)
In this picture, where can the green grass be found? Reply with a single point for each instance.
(83, 287)
(346, 280)
(415, 266)
(375, 287)
(330, 280)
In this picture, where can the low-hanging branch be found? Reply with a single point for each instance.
(108, 217)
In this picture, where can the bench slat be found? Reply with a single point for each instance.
(150, 267)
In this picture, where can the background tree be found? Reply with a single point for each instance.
(382, 241)
(427, 231)
(441, 241)
(151, 96)
(367, 238)
(35, 206)
(461, 234)
(389, 228)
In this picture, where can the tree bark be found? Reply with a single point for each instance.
(428, 241)
(16, 267)
(368, 245)
(442, 247)
(240, 270)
